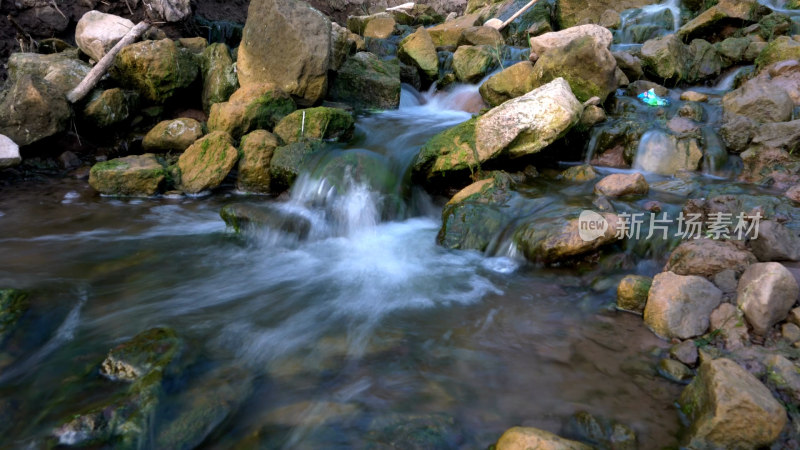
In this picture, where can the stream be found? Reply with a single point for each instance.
(362, 334)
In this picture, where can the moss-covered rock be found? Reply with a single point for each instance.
(206, 163)
(62, 70)
(588, 67)
(449, 152)
(724, 12)
(287, 162)
(666, 58)
(172, 135)
(135, 175)
(512, 82)
(632, 293)
(256, 151)
(476, 214)
(365, 81)
(321, 123)
(32, 109)
(13, 304)
(252, 107)
(526, 125)
(157, 69)
(123, 421)
(780, 49)
(110, 107)
(473, 62)
(146, 352)
(556, 237)
(219, 75)
(417, 50)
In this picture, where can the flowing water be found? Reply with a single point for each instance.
(364, 333)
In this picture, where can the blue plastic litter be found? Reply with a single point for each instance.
(652, 99)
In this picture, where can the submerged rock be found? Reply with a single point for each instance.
(525, 125)
(512, 82)
(292, 54)
(256, 151)
(239, 216)
(523, 438)
(219, 75)
(206, 163)
(557, 238)
(680, 306)
(9, 153)
(201, 408)
(767, 291)
(287, 163)
(135, 175)
(13, 304)
(662, 153)
(321, 123)
(98, 32)
(157, 69)
(366, 81)
(172, 135)
(146, 352)
(729, 408)
(124, 420)
(250, 108)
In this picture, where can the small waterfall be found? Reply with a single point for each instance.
(726, 83)
(641, 24)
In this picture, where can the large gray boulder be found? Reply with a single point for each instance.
(525, 125)
(286, 43)
(767, 291)
(680, 306)
(98, 32)
(33, 109)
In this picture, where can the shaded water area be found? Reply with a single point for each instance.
(363, 334)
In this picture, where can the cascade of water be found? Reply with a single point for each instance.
(641, 24)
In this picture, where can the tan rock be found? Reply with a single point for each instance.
(172, 135)
(526, 438)
(206, 163)
(448, 34)
(417, 49)
(512, 82)
(767, 291)
(632, 293)
(559, 39)
(729, 408)
(380, 28)
(707, 257)
(621, 184)
(256, 150)
(527, 124)
(692, 96)
(731, 324)
(680, 306)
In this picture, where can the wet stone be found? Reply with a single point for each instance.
(685, 352)
(675, 371)
(147, 351)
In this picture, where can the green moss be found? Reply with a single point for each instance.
(780, 49)
(13, 304)
(114, 164)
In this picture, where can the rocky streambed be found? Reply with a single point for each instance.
(406, 229)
